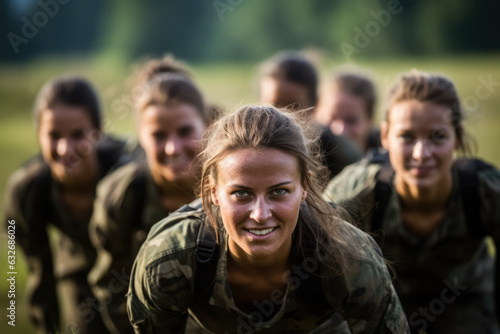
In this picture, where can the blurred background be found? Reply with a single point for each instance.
(223, 41)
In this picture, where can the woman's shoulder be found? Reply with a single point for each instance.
(367, 268)
(114, 152)
(122, 179)
(354, 179)
(489, 176)
(31, 176)
(477, 173)
(175, 234)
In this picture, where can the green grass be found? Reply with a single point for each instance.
(227, 85)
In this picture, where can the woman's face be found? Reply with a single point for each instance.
(420, 139)
(169, 136)
(67, 140)
(259, 194)
(345, 115)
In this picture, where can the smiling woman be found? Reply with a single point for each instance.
(171, 118)
(282, 259)
(430, 210)
(57, 188)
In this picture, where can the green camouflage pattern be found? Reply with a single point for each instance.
(32, 199)
(124, 212)
(161, 292)
(445, 282)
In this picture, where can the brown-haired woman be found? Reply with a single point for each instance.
(57, 189)
(171, 118)
(261, 250)
(346, 106)
(432, 211)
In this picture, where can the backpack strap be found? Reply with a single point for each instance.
(383, 189)
(207, 256)
(468, 175)
(138, 187)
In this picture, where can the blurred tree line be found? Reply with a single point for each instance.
(245, 30)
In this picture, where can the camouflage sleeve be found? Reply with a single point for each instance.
(372, 305)
(110, 231)
(161, 283)
(23, 207)
(489, 188)
(353, 189)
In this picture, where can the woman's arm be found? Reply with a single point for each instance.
(372, 305)
(160, 293)
(110, 231)
(26, 221)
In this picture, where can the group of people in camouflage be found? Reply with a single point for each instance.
(294, 216)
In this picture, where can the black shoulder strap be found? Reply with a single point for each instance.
(207, 255)
(39, 195)
(138, 187)
(468, 177)
(383, 189)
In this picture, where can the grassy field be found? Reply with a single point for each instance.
(227, 85)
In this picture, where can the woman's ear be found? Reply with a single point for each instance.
(213, 192)
(215, 196)
(384, 132)
(305, 187)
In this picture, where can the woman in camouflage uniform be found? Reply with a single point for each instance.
(261, 251)
(431, 212)
(171, 117)
(57, 188)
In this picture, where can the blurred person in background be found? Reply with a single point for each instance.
(171, 118)
(57, 188)
(346, 106)
(289, 80)
(430, 211)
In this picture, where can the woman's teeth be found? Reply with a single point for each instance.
(262, 232)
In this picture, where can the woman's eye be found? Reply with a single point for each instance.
(279, 192)
(185, 131)
(438, 136)
(241, 193)
(406, 137)
(158, 136)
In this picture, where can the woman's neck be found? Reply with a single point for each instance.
(253, 266)
(424, 198)
(173, 195)
(85, 182)
(423, 209)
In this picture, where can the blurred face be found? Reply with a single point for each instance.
(281, 93)
(259, 194)
(345, 115)
(169, 136)
(67, 139)
(420, 139)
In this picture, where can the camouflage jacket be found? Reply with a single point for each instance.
(126, 207)
(162, 292)
(32, 199)
(453, 263)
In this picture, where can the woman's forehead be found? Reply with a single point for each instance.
(251, 164)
